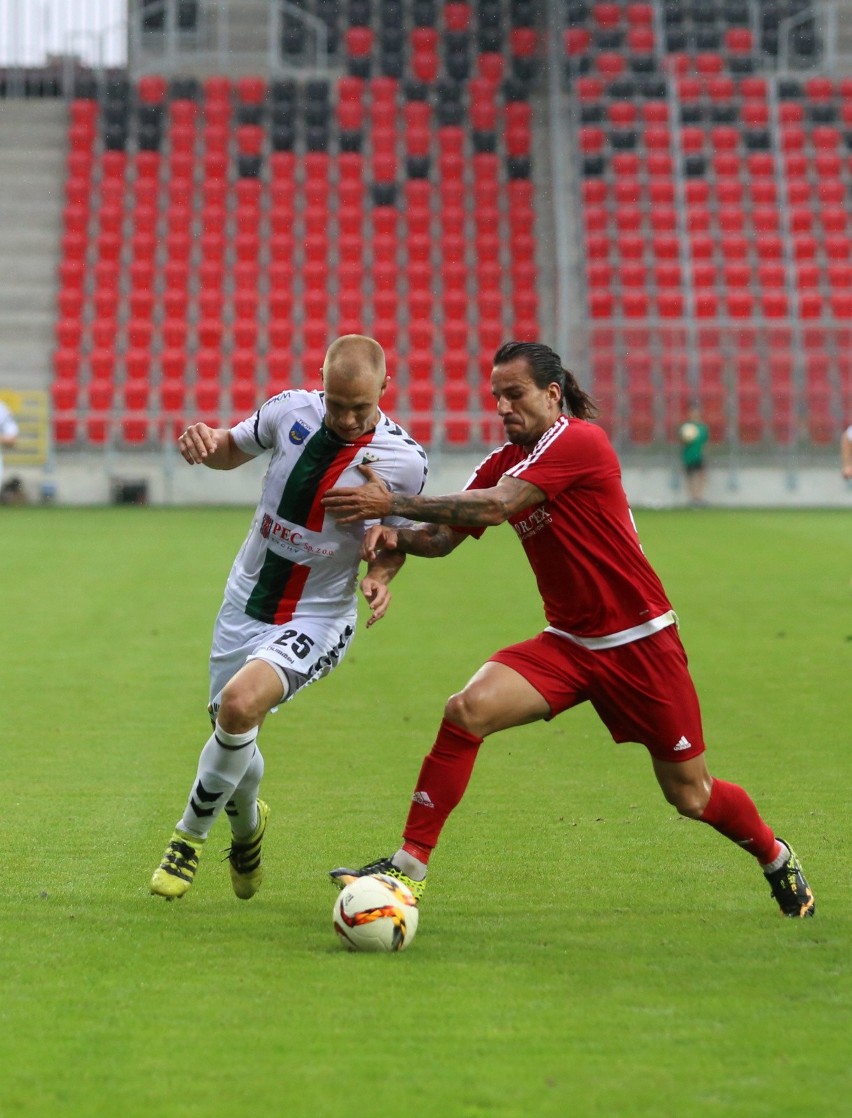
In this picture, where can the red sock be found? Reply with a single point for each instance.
(731, 811)
(442, 782)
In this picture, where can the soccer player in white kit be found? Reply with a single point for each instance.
(290, 606)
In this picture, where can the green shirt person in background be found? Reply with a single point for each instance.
(693, 434)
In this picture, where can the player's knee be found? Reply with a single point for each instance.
(463, 710)
(237, 710)
(689, 800)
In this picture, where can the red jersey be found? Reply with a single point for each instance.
(581, 542)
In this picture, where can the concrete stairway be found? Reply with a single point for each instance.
(232, 37)
(32, 159)
(843, 46)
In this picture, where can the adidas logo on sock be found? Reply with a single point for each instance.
(422, 798)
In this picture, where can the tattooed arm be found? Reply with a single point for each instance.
(473, 508)
(429, 541)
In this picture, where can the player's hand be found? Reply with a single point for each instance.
(378, 538)
(378, 596)
(196, 443)
(370, 501)
(847, 472)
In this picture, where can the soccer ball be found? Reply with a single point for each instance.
(375, 913)
(689, 432)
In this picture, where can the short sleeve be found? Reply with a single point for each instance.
(564, 457)
(411, 481)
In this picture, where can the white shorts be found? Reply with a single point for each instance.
(301, 652)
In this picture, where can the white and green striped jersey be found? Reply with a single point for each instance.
(296, 557)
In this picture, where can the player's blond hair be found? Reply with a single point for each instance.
(352, 355)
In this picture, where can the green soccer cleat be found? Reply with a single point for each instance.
(244, 858)
(343, 876)
(176, 872)
(790, 889)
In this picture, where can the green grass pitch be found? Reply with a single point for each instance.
(582, 951)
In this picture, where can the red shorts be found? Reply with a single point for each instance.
(642, 691)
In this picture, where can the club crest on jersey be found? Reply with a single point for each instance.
(298, 433)
(368, 458)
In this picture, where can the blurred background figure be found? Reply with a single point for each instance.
(846, 453)
(12, 492)
(693, 434)
(8, 434)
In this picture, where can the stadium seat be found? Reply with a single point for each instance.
(100, 393)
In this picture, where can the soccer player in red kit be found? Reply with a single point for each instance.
(611, 636)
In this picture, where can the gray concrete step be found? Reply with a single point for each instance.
(26, 364)
(27, 299)
(32, 161)
(233, 38)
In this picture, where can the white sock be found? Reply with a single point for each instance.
(221, 766)
(780, 860)
(241, 809)
(409, 865)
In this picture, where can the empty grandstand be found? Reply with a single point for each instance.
(657, 189)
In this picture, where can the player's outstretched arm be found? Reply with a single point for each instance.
(215, 448)
(474, 508)
(429, 541)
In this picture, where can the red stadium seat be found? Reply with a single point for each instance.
(139, 332)
(837, 246)
(102, 361)
(671, 304)
(750, 417)
(251, 89)
(134, 421)
(706, 304)
(69, 332)
(71, 301)
(137, 364)
(66, 363)
(764, 192)
(100, 395)
(64, 392)
(141, 303)
(737, 273)
(769, 246)
(664, 246)
(703, 274)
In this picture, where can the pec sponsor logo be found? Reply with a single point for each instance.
(273, 529)
(298, 433)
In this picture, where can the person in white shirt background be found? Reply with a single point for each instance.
(8, 434)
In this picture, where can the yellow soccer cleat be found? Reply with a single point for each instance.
(344, 876)
(244, 858)
(176, 872)
(790, 889)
